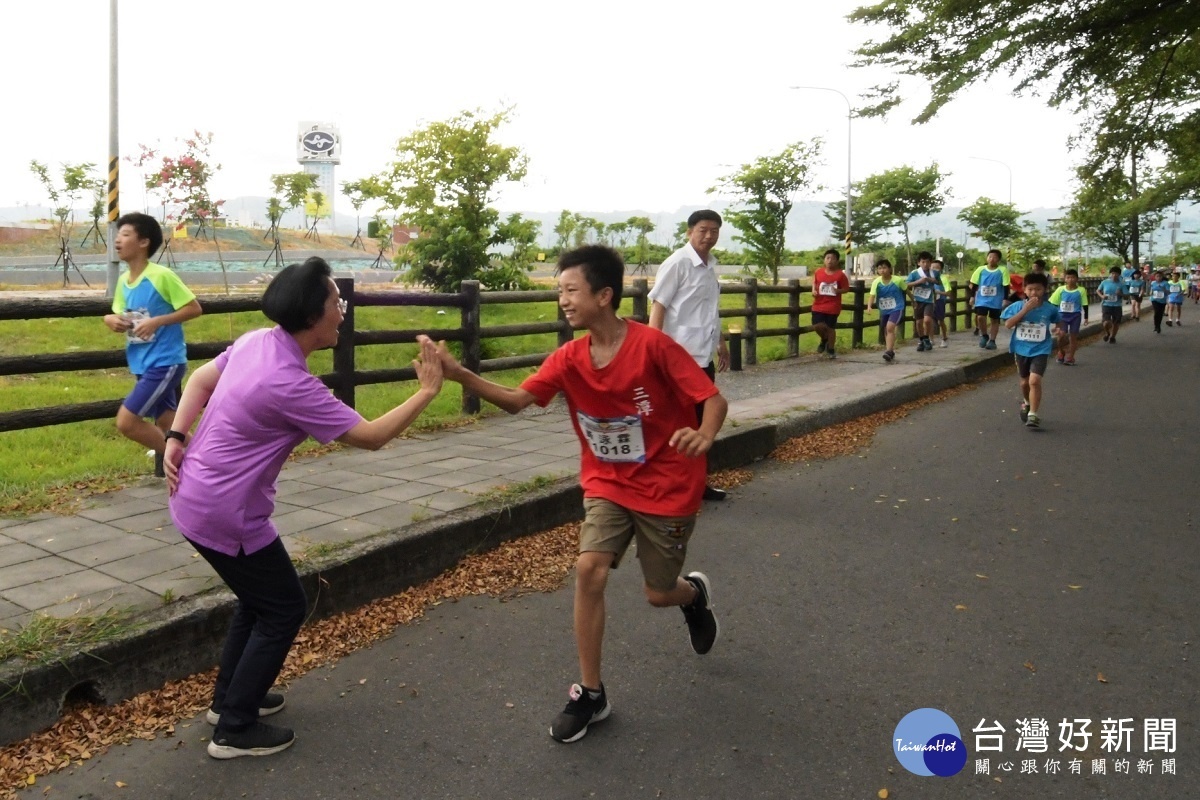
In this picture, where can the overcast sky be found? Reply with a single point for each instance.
(622, 105)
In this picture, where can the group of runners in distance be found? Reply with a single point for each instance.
(642, 400)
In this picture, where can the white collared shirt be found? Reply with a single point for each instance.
(686, 286)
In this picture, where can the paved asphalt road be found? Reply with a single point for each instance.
(850, 593)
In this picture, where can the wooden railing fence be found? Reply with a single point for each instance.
(345, 377)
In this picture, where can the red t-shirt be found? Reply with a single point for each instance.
(1016, 285)
(827, 288)
(625, 414)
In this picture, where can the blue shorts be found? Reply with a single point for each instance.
(1070, 321)
(939, 309)
(156, 391)
(893, 317)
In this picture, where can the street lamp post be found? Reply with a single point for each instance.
(1006, 166)
(849, 141)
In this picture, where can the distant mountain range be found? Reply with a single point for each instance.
(807, 227)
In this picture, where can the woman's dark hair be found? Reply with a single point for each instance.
(295, 298)
(602, 267)
(147, 227)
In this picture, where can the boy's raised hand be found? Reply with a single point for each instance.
(450, 366)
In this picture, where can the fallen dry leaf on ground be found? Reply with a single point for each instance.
(849, 437)
(536, 563)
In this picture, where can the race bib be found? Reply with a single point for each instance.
(1068, 307)
(614, 440)
(1111, 298)
(1158, 294)
(828, 289)
(1030, 332)
(887, 304)
(134, 317)
(923, 293)
(987, 291)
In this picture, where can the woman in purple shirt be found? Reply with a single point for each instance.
(260, 401)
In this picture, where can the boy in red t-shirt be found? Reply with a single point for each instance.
(632, 394)
(829, 282)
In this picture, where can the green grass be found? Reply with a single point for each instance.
(48, 467)
(45, 636)
(508, 492)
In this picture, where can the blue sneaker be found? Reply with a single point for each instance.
(991, 344)
(983, 340)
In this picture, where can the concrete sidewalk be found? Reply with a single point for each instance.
(367, 524)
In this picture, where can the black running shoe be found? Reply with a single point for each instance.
(572, 724)
(702, 623)
(888, 355)
(821, 347)
(273, 703)
(713, 493)
(260, 739)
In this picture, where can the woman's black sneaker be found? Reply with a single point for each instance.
(272, 703)
(260, 739)
(582, 710)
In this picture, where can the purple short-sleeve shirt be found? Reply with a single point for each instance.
(265, 403)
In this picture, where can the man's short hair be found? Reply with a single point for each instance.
(1072, 271)
(1037, 279)
(925, 254)
(1115, 271)
(703, 215)
(997, 252)
(833, 250)
(1040, 263)
(937, 261)
(147, 227)
(602, 267)
(883, 262)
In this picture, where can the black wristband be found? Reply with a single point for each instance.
(181, 437)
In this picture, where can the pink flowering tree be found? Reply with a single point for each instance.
(183, 182)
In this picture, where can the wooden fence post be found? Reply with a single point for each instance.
(793, 339)
(952, 303)
(472, 351)
(750, 330)
(641, 302)
(343, 351)
(860, 309)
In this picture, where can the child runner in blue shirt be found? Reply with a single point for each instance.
(1030, 321)
(1135, 286)
(887, 293)
(1111, 291)
(1158, 298)
(1071, 300)
(149, 308)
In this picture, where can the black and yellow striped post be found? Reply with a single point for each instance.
(114, 159)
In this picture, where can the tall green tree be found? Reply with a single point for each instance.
(292, 189)
(75, 179)
(1107, 212)
(870, 223)
(443, 181)
(510, 271)
(766, 190)
(1113, 60)
(644, 227)
(904, 193)
(564, 229)
(995, 223)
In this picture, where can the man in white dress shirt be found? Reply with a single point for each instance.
(686, 298)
